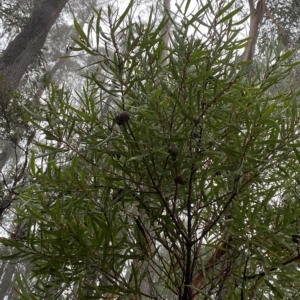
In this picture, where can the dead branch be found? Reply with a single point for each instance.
(213, 261)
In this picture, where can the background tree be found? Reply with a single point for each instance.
(14, 62)
(16, 134)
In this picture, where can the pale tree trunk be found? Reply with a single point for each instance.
(7, 280)
(23, 49)
(20, 53)
(256, 17)
(60, 63)
(18, 56)
(166, 31)
(6, 153)
(8, 270)
(13, 64)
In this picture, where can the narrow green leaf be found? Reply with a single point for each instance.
(83, 47)
(225, 8)
(139, 157)
(187, 5)
(81, 32)
(98, 28)
(125, 14)
(230, 15)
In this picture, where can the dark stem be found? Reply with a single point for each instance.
(187, 293)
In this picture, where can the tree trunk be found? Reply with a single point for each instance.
(166, 31)
(256, 16)
(20, 53)
(7, 280)
(23, 49)
(13, 64)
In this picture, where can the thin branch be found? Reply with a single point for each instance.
(261, 274)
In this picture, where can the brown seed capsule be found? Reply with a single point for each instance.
(173, 151)
(117, 194)
(118, 121)
(122, 118)
(195, 135)
(180, 180)
(295, 238)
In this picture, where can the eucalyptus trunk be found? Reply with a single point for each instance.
(20, 53)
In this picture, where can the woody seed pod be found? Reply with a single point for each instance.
(122, 118)
(180, 180)
(173, 151)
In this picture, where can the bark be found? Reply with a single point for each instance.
(166, 32)
(7, 280)
(20, 53)
(18, 56)
(13, 64)
(7, 276)
(61, 62)
(215, 259)
(256, 16)
(23, 49)
(6, 153)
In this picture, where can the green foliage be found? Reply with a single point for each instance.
(194, 193)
